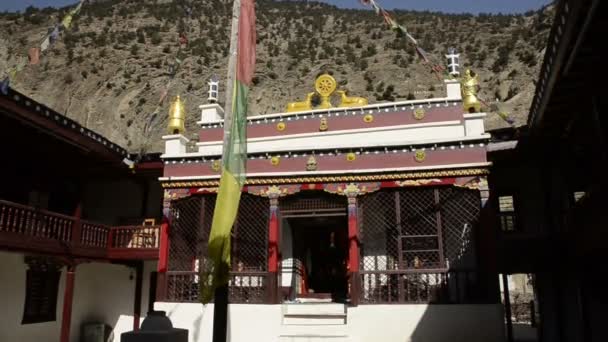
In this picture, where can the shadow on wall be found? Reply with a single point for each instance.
(105, 293)
(469, 310)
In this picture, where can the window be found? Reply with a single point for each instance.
(41, 286)
(578, 195)
(506, 211)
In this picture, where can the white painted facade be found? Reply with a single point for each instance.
(365, 323)
(103, 292)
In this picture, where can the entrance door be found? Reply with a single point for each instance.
(320, 250)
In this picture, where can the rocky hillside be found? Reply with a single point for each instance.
(109, 69)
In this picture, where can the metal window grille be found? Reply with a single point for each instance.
(412, 240)
(190, 227)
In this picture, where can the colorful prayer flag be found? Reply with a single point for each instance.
(34, 55)
(4, 85)
(234, 154)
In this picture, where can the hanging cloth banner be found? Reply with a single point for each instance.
(67, 20)
(437, 68)
(34, 55)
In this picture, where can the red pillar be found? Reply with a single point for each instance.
(77, 225)
(163, 247)
(163, 260)
(353, 249)
(273, 251)
(68, 296)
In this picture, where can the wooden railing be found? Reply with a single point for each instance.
(244, 287)
(31, 229)
(21, 219)
(135, 237)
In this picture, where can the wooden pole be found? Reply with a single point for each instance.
(507, 299)
(139, 275)
(220, 304)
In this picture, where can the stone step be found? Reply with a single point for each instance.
(314, 320)
(312, 339)
(333, 332)
(314, 309)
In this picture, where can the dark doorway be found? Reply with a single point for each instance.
(321, 245)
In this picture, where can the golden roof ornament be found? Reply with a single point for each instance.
(177, 117)
(325, 87)
(469, 88)
(311, 164)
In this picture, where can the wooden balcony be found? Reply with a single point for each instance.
(27, 229)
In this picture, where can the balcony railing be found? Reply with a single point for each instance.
(419, 286)
(31, 229)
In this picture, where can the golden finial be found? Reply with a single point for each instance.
(325, 85)
(177, 117)
(469, 88)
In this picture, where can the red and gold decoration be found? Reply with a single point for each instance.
(419, 114)
(420, 156)
(275, 161)
(323, 125)
(352, 189)
(325, 87)
(311, 164)
(351, 156)
(368, 118)
(281, 126)
(216, 165)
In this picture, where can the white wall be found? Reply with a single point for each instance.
(366, 323)
(103, 292)
(12, 301)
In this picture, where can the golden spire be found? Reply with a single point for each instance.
(469, 88)
(177, 117)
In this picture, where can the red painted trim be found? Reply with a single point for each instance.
(163, 250)
(330, 163)
(150, 166)
(342, 122)
(273, 240)
(66, 317)
(353, 239)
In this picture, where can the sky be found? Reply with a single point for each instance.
(451, 6)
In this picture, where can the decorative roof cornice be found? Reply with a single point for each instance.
(337, 112)
(334, 179)
(53, 118)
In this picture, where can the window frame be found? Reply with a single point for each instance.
(45, 282)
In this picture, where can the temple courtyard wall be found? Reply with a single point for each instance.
(103, 292)
(365, 323)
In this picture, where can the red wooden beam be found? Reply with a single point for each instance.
(353, 249)
(273, 251)
(163, 250)
(68, 296)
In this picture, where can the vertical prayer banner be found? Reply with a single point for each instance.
(234, 156)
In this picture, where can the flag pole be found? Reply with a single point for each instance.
(220, 306)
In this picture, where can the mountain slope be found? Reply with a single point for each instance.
(108, 71)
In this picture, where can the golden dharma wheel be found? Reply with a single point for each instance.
(325, 85)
